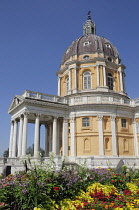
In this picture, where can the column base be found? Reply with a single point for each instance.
(74, 91)
(102, 88)
(115, 156)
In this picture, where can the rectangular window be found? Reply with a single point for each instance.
(123, 122)
(86, 122)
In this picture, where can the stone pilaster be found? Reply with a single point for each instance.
(98, 79)
(65, 138)
(136, 152)
(72, 131)
(104, 76)
(100, 129)
(114, 140)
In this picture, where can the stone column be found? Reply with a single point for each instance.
(46, 141)
(58, 138)
(54, 141)
(72, 131)
(20, 137)
(121, 80)
(100, 129)
(25, 128)
(65, 138)
(104, 75)
(136, 152)
(37, 136)
(98, 80)
(114, 140)
(124, 86)
(59, 85)
(11, 139)
(50, 138)
(14, 139)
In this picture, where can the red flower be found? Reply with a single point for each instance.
(112, 180)
(56, 188)
(127, 192)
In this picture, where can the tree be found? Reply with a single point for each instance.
(30, 150)
(6, 153)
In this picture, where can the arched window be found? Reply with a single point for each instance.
(110, 81)
(86, 80)
(67, 83)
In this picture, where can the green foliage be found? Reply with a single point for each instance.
(30, 150)
(6, 153)
(46, 187)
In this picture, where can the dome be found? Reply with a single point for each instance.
(91, 43)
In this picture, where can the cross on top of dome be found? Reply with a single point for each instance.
(89, 16)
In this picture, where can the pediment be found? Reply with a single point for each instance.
(15, 102)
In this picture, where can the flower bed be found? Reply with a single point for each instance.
(66, 189)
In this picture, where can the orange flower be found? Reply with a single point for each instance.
(111, 205)
(106, 206)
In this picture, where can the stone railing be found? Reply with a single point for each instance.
(97, 99)
(77, 100)
(43, 96)
(135, 101)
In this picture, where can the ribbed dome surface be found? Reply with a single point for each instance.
(90, 44)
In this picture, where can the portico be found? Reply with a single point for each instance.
(53, 125)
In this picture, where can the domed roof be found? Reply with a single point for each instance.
(90, 43)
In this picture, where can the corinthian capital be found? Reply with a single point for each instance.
(72, 119)
(100, 117)
(112, 118)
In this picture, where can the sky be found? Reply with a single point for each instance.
(35, 33)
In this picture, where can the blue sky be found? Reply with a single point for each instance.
(35, 33)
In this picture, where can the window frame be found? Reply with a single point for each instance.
(86, 57)
(123, 123)
(86, 44)
(87, 80)
(86, 122)
(110, 81)
(67, 83)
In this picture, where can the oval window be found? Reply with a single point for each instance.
(86, 57)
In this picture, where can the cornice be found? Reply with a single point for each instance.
(95, 61)
(102, 106)
(46, 103)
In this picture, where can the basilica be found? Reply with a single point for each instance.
(92, 118)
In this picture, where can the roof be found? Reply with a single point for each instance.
(89, 44)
